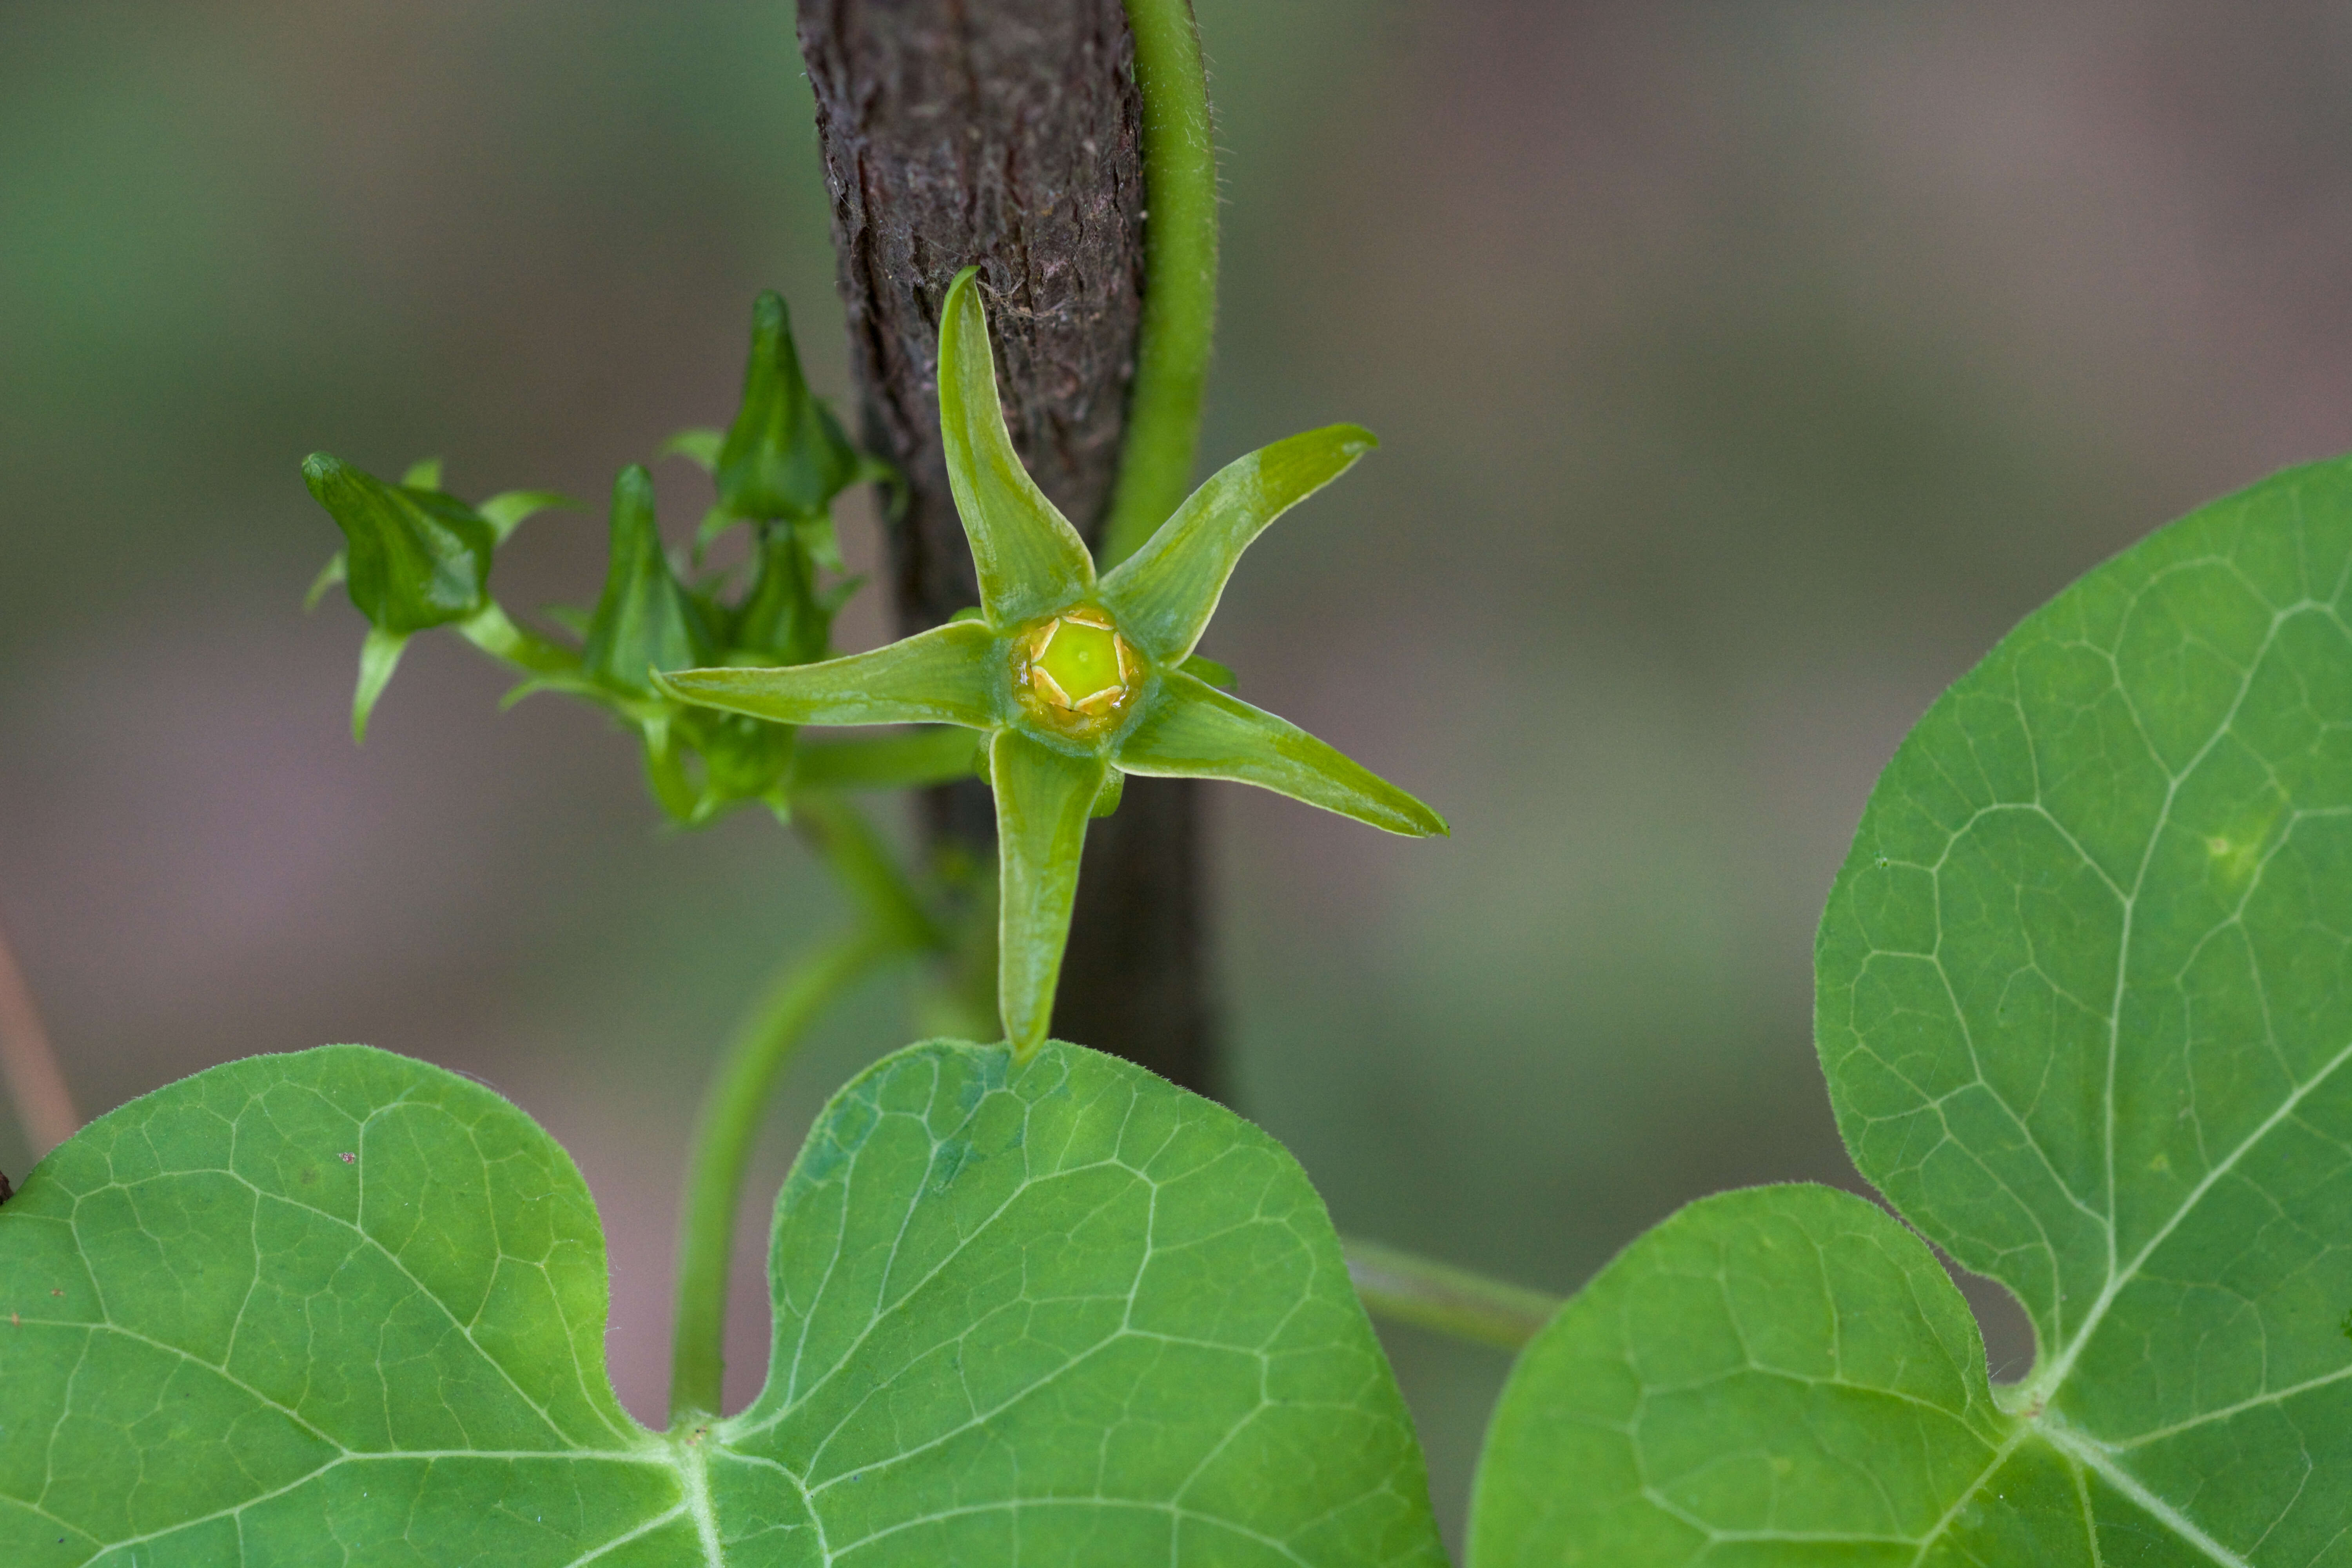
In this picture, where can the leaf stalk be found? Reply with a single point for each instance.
(724, 1135)
(28, 1062)
(893, 925)
(1408, 1288)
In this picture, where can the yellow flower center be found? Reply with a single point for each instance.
(1077, 671)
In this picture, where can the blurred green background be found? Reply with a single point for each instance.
(1744, 370)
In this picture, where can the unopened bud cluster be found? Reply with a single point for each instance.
(417, 557)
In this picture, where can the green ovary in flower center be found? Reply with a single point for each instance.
(1076, 671)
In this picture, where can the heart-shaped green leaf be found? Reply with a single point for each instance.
(1783, 1375)
(2085, 1000)
(341, 1306)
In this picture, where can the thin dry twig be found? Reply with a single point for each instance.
(29, 1064)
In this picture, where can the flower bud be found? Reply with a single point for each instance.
(785, 455)
(784, 619)
(645, 620)
(415, 558)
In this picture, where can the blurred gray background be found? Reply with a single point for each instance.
(1744, 370)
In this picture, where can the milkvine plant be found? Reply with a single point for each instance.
(2084, 1007)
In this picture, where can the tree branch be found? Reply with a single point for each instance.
(1007, 134)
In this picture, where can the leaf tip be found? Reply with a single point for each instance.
(321, 469)
(1408, 817)
(379, 657)
(634, 485)
(962, 300)
(336, 570)
(698, 446)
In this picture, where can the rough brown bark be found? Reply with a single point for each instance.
(1005, 134)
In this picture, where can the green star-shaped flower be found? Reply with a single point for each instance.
(1078, 680)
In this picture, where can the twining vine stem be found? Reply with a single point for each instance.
(28, 1063)
(893, 926)
(1179, 278)
(1453, 1302)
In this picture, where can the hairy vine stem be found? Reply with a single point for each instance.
(28, 1062)
(1180, 289)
